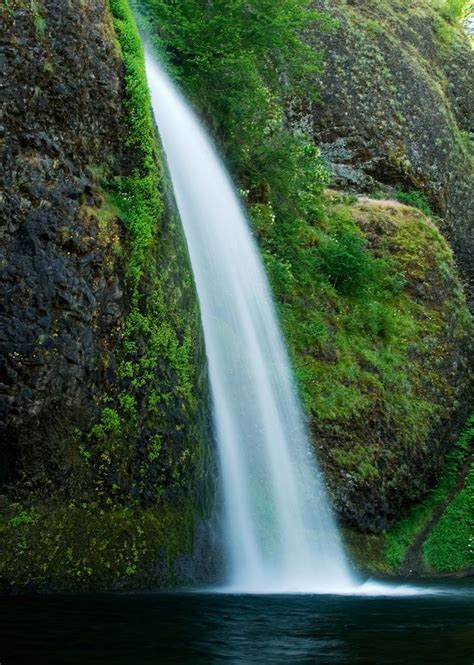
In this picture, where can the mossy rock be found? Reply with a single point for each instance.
(86, 547)
(435, 537)
(105, 450)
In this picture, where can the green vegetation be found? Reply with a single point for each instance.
(448, 546)
(466, 140)
(240, 62)
(347, 265)
(160, 348)
(38, 19)
(367, 293)
(452, 13)
(440, 527)
(90, 546)
(360, 345)
(41, 25)
(138, 193)
(454, 10)
(415, 199)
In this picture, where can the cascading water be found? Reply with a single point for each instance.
(279, 533)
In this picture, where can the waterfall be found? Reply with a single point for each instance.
(279, 533)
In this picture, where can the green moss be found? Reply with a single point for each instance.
(137, 195)
(345, 263)
(368, 359)
(160, 343)
(359, 461)
(154, 448)
(112, 504)
(39, 21)
(367, 552)
(41, 25)
(69, 547)
(451, 535)
(451, 14)
(375, 324)
(454, 10)
(450, 545)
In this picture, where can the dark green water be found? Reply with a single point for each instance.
(199, 629)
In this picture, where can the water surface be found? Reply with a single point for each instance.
(195, 629)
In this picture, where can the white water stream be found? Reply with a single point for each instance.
(279, 533)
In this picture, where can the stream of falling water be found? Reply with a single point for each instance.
(279, 532)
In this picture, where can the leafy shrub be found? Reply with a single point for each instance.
(346, 264)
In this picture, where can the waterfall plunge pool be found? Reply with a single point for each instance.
(205, 628)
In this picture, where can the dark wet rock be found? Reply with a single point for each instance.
(59, 303)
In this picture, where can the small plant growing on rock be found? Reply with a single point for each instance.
(415, 199)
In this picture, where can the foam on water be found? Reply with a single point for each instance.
(368, 589)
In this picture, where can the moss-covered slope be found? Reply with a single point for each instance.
(381, 341)
(436, 535)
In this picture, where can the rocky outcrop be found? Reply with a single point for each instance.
(103, 387)
(382, 459)
(396, 110)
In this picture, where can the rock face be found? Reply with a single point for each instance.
(62, 300)
(397, 107)
(103, 399)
